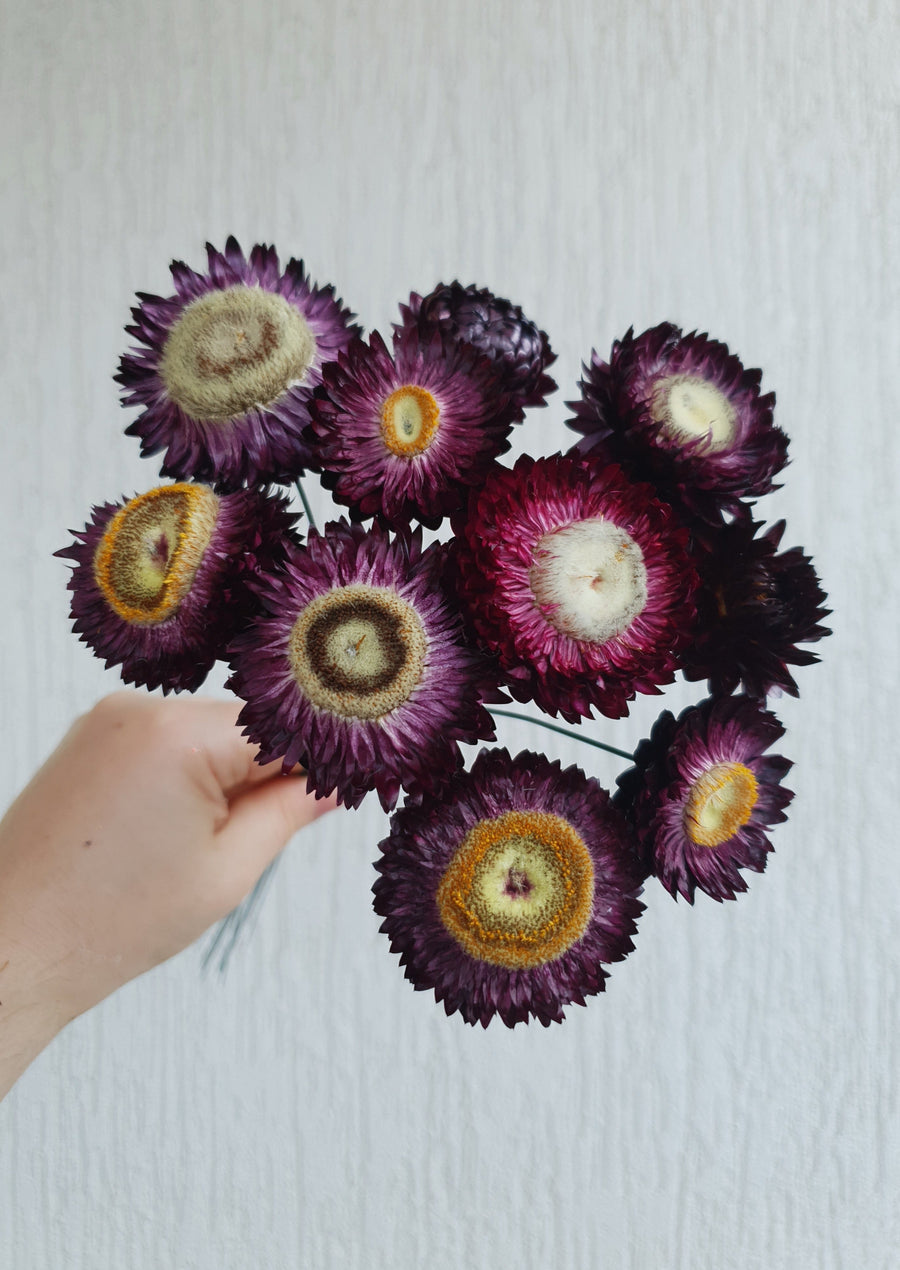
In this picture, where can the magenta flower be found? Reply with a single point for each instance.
(578, 581)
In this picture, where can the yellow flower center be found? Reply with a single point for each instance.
(234, 349)
(688, 407)
(720, 802)
(519, 889)
(146, 561)
(358, 651)
(409, 421)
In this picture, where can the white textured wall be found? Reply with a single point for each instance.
(732, 1100)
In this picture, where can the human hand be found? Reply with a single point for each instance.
(148, 823)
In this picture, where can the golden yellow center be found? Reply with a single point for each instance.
(690, 408)
(519, 889)
(149, 554)
(358, 651)
(234, 349)
(409, 420)
(720, 802)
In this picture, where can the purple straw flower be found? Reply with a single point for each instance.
(508, 894)
(407, 435)
(358, 670)
(702, 794)
(161, 583)
(754, 605)
(228, 367)
(681, 412)
(518, 348)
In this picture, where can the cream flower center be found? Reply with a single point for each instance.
(409, 420)
(720, 802)
(519, 889)
(149, 554)
(589, 579)
(234, 349)
(688, 407)
(358, 651)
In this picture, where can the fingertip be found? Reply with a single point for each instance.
(310, 804)
(261, 821)
(265, 816)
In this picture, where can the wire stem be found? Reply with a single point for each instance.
(573, 736)
(311, 520)
(229, 929)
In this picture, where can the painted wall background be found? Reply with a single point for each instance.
(732, 1100)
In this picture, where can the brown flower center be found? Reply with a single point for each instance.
(234, 349)
(720, 802)
(519, 889)
(409, 421)
(688, 407)
(358, 651)
(150, 551)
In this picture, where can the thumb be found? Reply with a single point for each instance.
(263, 819)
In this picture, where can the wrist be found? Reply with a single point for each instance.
(31, 1014)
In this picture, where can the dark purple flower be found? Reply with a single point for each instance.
(702, 794)
(681, 412)
(270, 527)
(519, 349)
(358, 670)
(160, 583)
(228, 367)
(506, 895)
(754, 607)
(406, 436)
(578, 581)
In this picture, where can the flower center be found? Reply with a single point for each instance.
(234, 349)
(720, 802)
(589, 579)
(358, 651)
(146, 561)
(519, 889)
(409, 420)
(688, 407)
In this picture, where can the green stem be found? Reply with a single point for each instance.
(311, 521)
(573, 736)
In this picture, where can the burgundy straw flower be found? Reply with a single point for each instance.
(519, 349)
(702, 794)
(506, 896)
(228, 367)
(160, 583)
(405, 436)
(754, 605)
(681, 412)
(357, 671)
(578, 581)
